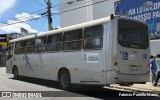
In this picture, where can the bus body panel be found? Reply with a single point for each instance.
(135, 62)
(109, 47)
(126, 78)
(46, 66)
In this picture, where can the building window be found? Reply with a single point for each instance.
(29, 46)
(19, 47)
(72, 40)
(93, 37)
(54, 42)
(40, 44)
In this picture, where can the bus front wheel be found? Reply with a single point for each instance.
(15, 73)
(65, 80)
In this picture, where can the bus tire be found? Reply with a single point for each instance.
(15, 73)
(65, 80)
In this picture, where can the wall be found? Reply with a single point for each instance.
(79, 11)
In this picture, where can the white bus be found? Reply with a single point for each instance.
(109, 50)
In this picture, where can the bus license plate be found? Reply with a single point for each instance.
(134, 67)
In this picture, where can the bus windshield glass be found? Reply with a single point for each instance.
(133, 34)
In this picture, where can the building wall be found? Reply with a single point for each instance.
(103, 9)
(79, 11)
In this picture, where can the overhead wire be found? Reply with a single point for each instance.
(54, 13)
(42, 25)
(21, 21)
(84, 6)
(58, 13)
(36, 12)
(33, 12)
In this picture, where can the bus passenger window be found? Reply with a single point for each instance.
(29, 46)
(72, 40)
(40, 44)
(19, 47)
(54, 42)
(132, 34)
(10, 48)
(93, 37)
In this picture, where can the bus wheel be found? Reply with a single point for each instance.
(65, 80)
(15, 73)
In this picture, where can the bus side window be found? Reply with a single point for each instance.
(72, 40)
(93, 37)
(40, 44)
(19, 47)
(10, 49)
(54, 42)
(29, 46)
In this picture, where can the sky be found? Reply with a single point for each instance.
(12, 12)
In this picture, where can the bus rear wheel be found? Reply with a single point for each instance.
(65, 80)
(15, 73)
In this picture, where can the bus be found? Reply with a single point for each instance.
(113, 49)
(4, 39)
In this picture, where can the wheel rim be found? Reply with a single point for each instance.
(64, 80)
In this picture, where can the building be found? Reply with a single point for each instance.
(79, 11)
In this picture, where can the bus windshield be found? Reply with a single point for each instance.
(133, 34)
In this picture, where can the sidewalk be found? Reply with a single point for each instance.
(140, 87)
(148, 86)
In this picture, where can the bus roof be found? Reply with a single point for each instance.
(95, 22)
(82, 25)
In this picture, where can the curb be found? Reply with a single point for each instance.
(135, 89)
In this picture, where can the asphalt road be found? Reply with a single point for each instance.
(50, 90)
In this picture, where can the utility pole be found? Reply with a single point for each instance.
(49, 15)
